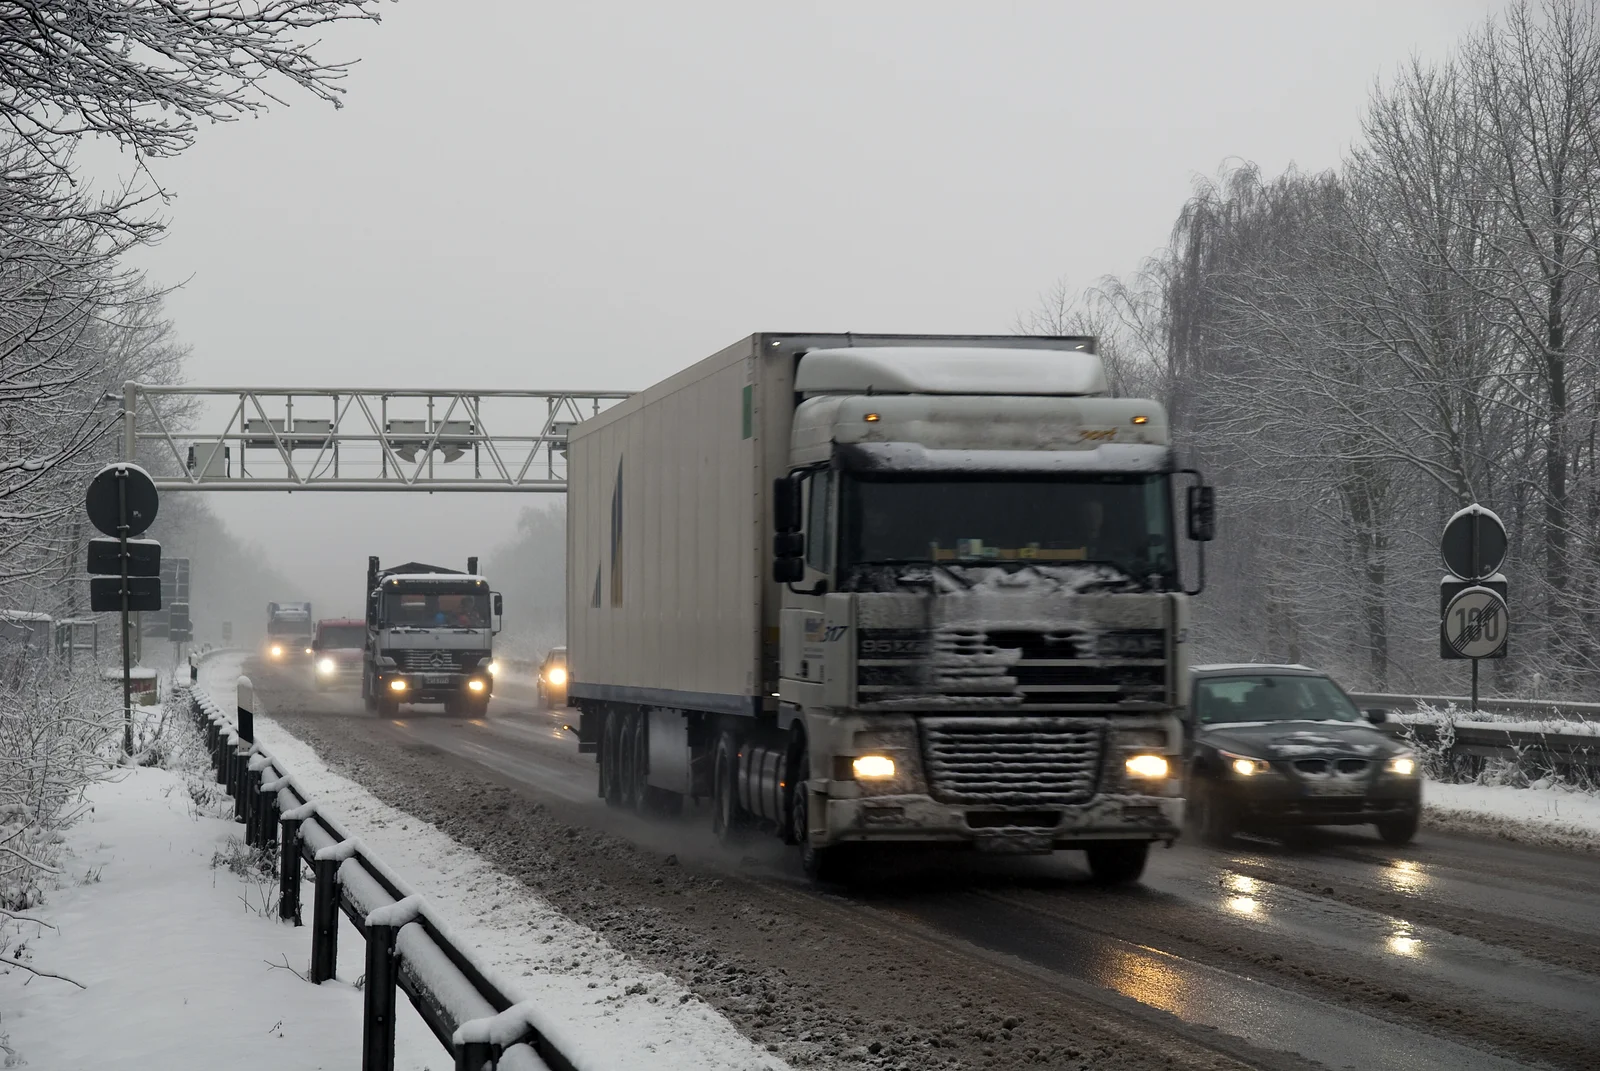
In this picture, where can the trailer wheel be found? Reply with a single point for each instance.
(628, 768)
(727, 818)
(610, 756)
(641, 765)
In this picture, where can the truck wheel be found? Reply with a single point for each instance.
(388, 708)
(628, 768)
(610, 759)
(832, 865)
(727, 818)
(1117, 862)
(641, 765)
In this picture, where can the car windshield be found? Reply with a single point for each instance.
(1121, 520)
(334, 637)
(428, 609)
(1266, 697)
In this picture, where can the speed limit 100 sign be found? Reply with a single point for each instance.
(1475, 624)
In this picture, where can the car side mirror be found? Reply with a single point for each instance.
(1377, 715)
(1202, 513)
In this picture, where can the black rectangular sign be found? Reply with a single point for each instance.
(144, 557)
(105, 593)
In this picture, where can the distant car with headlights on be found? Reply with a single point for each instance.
(1277, 747)
(553, 679)
(337, 651)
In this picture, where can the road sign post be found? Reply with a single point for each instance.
(122, 503)
(1474, 616)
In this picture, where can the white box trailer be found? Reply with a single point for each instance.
(704, 632)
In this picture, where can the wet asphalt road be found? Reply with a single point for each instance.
(1451, 953)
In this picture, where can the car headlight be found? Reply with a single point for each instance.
(1151, 766)
(326, 666)
(1244, 765)
(557, 676)
(873, 767)
(1404, 765)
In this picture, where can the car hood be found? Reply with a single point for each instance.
(1299, 739)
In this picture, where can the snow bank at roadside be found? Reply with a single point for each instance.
(1544, 813)
(1516, 723)
(176, 952)
(616, 1012)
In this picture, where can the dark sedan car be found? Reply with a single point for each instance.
(1275, 747)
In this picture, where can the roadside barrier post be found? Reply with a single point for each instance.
(325, 920)
(289, 871)
(474, 1055)
(247, 706)
(377, 1031)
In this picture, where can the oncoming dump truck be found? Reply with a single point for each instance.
(867, 589)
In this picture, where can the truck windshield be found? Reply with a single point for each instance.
(433, 609)
(1120, 520)
(279, 626)
(334, 637)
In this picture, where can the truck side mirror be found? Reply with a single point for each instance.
(372, 614)
(786, 504)
(1202, 513)
(788, 570)
(788, 545)
(498, 605)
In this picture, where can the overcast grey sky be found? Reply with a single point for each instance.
(594, 195)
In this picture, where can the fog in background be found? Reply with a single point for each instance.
(593, 196)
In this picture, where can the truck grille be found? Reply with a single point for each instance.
(429, 661)
(1012, 761)
(988, 668)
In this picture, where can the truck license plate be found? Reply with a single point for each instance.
(436, 678)
(1336, 788)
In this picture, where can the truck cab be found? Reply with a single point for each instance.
(429, 638)
(289, 633)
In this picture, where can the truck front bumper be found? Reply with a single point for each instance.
(436, 687)
(1010, 830)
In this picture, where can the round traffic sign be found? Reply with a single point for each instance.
(1474, 543)
(104, 499)
(1476, 623)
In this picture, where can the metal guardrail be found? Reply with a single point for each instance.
(478, 1019)
(1576, 711)
(1573, 756)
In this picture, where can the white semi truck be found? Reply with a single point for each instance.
(867, 589)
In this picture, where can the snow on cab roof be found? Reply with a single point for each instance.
(950, 370)
(436, 578)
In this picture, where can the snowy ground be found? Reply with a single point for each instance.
(1544, 813)
(602, 1007)
(183, 964)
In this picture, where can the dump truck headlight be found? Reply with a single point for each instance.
(1152, 766)
(873, 767)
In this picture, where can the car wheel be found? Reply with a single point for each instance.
(1399, 830)
(1117, 862)
(1215, 818)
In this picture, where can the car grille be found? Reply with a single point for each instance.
(1012, 761)
(987, 668)
(1323, 767)
(430, 661)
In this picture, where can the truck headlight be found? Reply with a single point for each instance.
(557, 676)
(475, 685)
(1404, 765)
(276, 651)
(873, 767)
(397, 685)
(494, 669)
(326, 666)
(1151, 766)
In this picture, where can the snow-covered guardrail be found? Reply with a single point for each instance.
(1550, 708)
(482, 1022)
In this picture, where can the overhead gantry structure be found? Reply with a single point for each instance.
(352, 439)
